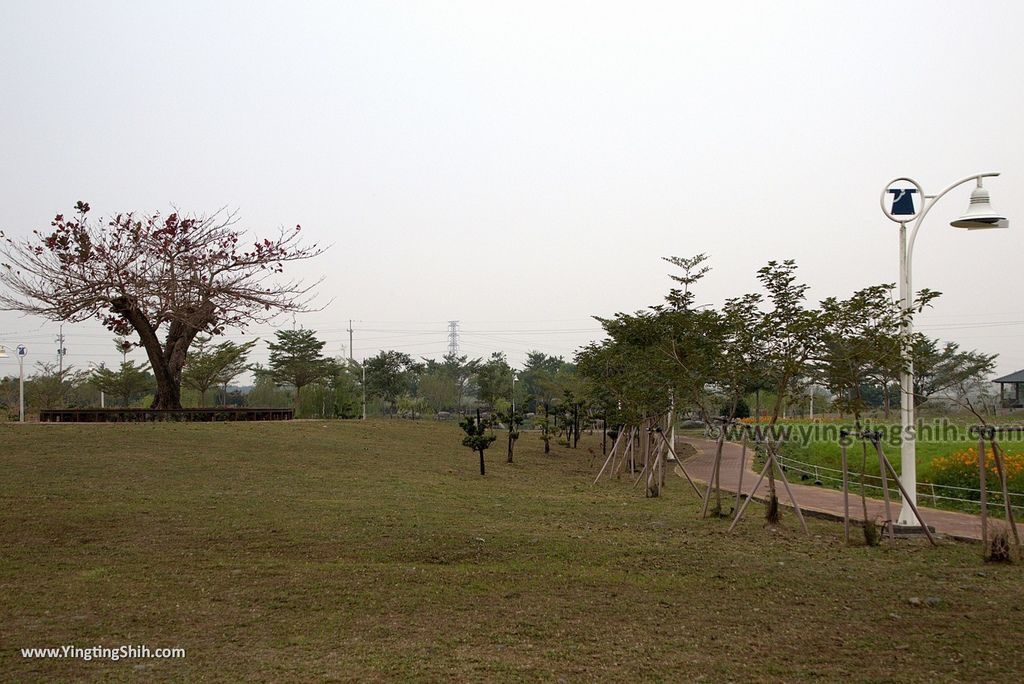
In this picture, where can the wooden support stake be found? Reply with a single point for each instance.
(627, 454)
(984, 492)
(885, 490)
(739, 513)
(743, 467)
(653, 475)
(601, 471)
(1006, 494)
(639, 477)
(611, 457)
(664, 460)
(679, 466)
(714, 472)
(906, 498)
(789, 492)
(846, 492)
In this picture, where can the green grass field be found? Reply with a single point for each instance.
(310, 551)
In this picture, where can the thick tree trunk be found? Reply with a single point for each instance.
(166, 359)
(168, 395)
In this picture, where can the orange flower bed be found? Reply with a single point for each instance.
(960, 469)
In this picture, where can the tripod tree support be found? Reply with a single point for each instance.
(989, 432)
(846, 485)
(679, 468)
(875, 437)
(743, 467)
(771, 462)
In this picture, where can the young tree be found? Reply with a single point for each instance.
(413, 406)
(739, 367)
(857, 336)
(209, 366)
(546, 426)
(342, 381)
(49, 385)
(494, 379)
(476, 437)
(172, 277)
(939, 370)
(690, 337)
(789, 333)
(438, 391)
(297, 359)
(124, 347)
(127, 384)
(391, 374)
(513, 419)
(539, 377)
(446, 382)
(461, 370)
(265, 392)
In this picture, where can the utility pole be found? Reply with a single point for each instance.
(61, 351)
(453, 338)
(364, 389)
(350, 357)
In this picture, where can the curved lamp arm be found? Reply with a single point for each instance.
(930, 201)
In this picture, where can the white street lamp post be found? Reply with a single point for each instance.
(3, 352)
(903, 210)
(22, 353)
(95, 367)
(513, 392)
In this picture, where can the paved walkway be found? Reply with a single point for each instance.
(820, 501)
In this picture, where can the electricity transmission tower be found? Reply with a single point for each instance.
(453, 338)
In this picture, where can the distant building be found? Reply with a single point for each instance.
(1013, 399)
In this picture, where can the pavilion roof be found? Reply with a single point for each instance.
(1012, 378)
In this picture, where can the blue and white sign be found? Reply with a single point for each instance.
(902, 200)
(22, 350)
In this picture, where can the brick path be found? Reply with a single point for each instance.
(820, 501)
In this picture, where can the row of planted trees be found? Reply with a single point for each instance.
(299, 374)
(704, 360)
(174, 283)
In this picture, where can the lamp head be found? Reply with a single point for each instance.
(3, 352)
(980, 213)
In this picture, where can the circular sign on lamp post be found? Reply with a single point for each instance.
(901, 200)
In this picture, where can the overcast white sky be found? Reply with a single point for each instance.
(522, 166)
